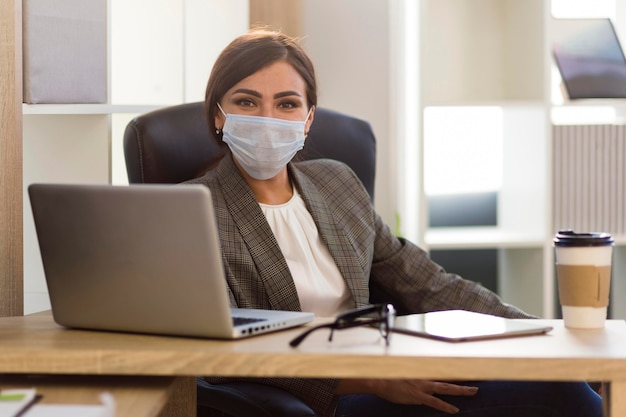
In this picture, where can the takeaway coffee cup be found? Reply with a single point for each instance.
(583, 269)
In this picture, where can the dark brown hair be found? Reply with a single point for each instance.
(248, 54)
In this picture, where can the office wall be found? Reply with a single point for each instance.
(349, 43)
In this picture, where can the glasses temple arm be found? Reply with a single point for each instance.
(298, 339)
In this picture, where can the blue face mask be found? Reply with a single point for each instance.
(262, 145)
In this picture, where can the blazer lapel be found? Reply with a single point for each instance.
(258, 237)
(340, 248)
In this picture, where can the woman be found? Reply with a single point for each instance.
(305, 236)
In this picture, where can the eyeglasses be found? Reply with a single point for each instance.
(383, 314)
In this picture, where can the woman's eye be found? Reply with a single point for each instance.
(244, 102)
(288, 105)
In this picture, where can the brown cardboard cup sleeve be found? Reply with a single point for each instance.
(584, 285)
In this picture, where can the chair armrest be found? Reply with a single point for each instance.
(241, 399)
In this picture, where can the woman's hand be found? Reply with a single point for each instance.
(408, 391)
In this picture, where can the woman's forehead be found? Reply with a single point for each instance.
(276, 77)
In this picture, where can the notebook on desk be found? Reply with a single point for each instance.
(461, 326)
(140, 258)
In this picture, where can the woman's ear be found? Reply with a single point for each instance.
(219, 119)
(309, 120)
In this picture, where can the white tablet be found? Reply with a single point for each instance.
(461, 325)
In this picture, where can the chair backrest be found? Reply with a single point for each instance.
(173, 144)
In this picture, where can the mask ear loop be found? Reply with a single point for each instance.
(306, 134)
(217, 129)
(307, 115)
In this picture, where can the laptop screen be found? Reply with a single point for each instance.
(591, 60)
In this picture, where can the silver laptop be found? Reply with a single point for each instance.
(140, 258)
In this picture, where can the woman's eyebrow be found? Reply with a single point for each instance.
(259, 95)
(287, 94)
(247, 91)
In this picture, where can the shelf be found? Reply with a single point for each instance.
(488, 238)
(592, 102)
(620, 240)
(91, 109)
(480, 238)
(512, 103)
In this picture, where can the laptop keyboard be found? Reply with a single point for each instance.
(239, 321)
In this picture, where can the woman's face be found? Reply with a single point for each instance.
(276, 91)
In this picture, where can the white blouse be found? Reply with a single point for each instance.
(321, 288)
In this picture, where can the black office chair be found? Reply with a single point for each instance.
(172, 145)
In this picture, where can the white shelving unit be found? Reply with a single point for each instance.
(155, 59)
(496, 53)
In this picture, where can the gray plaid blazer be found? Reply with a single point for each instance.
(370, 257)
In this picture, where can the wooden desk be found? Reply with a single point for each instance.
(135, 396)
(35, 344)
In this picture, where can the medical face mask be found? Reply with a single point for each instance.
(262, 145)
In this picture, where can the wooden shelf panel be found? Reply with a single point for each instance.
(480, 238)
(78, 109)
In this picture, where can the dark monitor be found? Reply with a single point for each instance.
(591, 61)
